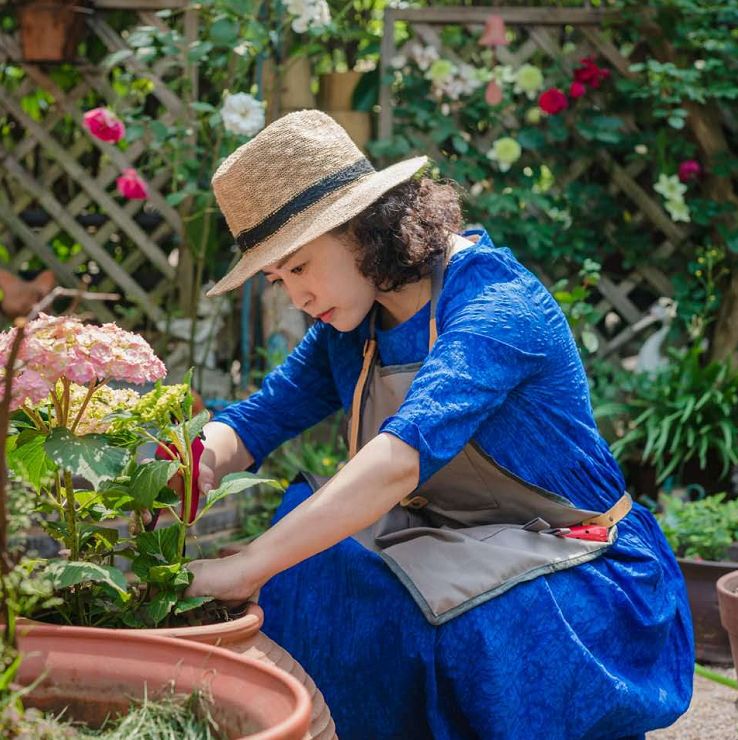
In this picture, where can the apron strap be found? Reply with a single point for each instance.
(613, 515)
(436, 285)
(370, 350)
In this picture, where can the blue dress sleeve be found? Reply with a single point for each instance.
(491, 343)
(293, 397)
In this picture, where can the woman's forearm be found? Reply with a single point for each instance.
(224, 452)
(382, 473)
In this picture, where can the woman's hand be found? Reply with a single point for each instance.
(230, 579)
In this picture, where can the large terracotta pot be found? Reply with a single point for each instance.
(727, 592)
(336, 89)
(711, 641)
(82, 669)
(51, 29)
(243, 636)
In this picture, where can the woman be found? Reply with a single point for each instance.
(474, 570)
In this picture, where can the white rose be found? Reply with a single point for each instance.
(243, 114)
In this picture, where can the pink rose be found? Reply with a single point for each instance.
(103, 124)
(689, 170)
(553, 101)
(577, 89)
(494, 32)
(493, 93)
(131, 186)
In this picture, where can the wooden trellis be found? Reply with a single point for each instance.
(42, 174)
(538, 31)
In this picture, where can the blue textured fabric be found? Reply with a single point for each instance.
(602, 650)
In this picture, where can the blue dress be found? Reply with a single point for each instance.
(601, 650)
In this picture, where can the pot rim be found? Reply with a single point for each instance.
(207, 653)
(722, 585)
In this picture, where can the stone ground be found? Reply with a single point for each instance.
(712, 715)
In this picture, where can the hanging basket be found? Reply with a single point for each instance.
(50, 30)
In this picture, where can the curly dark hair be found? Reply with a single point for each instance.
(399, 237)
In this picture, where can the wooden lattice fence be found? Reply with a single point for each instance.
(557, 38)
(50, 190)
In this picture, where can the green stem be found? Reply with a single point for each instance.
(94, 385)
(717, 677)
(71, 517)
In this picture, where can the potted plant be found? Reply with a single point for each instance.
(727, 592)
(703, 535)
(52, 663)
(50, 30)
(62, 429)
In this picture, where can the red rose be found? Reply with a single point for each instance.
(103, 124)
(131, 186)
(577, 89)
(689, 170)
(553, 101)
(589, 74)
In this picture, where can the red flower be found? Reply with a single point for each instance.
(589, 74)
(131, 186)
(553, 101)
(494, 32)
(103, 124)
(689, 170)
(577, 89)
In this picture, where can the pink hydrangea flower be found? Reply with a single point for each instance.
(63, 347)
(494, 32)
(131, 185)
(689, 170)
(103, 124)
(553, 101)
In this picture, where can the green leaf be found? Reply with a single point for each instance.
(64, 574)
(90, 456)
(142, 565)
(224, 32)
(192, 602)
(29, 458)
(235, 483)
(161, 543)
(160, 606)
(164, 574)
(116, 58)
(148, 479)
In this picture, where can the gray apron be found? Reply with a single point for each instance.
(473, 530)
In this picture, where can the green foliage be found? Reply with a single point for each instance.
(685, 411)
(702, 529)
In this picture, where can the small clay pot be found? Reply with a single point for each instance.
(727, 593)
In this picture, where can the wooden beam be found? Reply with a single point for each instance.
(521, 16)
(152, 5)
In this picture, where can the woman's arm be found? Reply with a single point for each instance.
(382, 473)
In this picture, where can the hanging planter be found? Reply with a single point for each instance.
(50, 30)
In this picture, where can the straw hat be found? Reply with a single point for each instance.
(297, 179)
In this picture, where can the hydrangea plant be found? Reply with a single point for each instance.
(75, 441)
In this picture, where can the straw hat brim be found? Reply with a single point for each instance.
(314, 221)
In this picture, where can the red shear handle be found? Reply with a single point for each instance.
(169, 452)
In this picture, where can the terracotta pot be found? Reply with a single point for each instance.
(727, 592)
(290, 90)
(51, 29)
(243, 636)
(83, 669)
(711, 641)
(336, 89)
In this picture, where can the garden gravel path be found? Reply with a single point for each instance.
(712, 715)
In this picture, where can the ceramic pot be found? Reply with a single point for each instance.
(51, 29)
(243, 637)
(727, 592)
(82, 669)
(711, 641)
